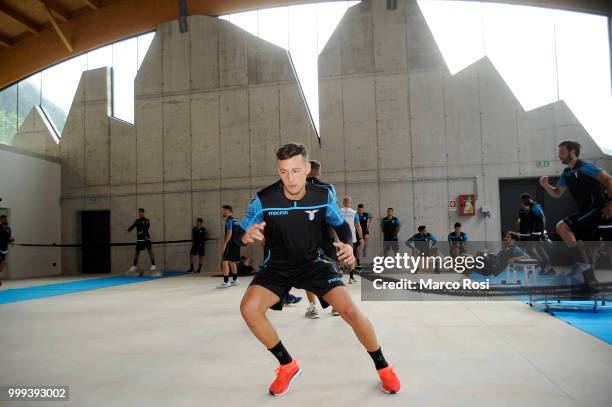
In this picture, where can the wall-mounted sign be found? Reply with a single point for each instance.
(452, 205)
(542, 163)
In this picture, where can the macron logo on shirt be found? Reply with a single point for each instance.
(278, 213)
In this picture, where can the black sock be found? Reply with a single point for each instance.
(379, 359)
(226, 279)
(235, 276)
(351, 274)
(191, 267)
(152, 262)
(135, 263)
(281, 353)
(199, 267)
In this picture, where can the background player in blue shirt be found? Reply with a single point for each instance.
(423, 243)
(231, 249)
(591, 189)
(6, 237)
(290, 215)
(365, 219)
(390, 227)
(457, 241)
(199, 236)
(143, 239)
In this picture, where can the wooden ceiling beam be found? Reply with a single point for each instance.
(5, 41)
(92, 4)
(56, 10)
(19, 18)
(58, 29)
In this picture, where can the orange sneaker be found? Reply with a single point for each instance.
(389, 381)
(285, 375)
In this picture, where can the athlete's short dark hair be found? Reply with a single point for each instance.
(359, 206)
(422, 227)
(526, 196)
(229, 208)
(389, 208)
(315, 166)
(511, 234)
(457, 224)
(199, 220)
(571, 145)
(141, 210)
(291, 150)
(2, 216)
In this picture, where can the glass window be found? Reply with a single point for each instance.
(59, 84)
(28, 96)
(539, 52)
(274, 26)
(100, 57)
(125, 62)
(246, 20)
(144, 42)
(8, 114)
(303, 30)
(524, 57)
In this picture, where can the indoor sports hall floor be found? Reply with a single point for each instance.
(180, 342)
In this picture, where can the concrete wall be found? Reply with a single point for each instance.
(393, 118)
(36, 134)
(30, 188)
(212, 106)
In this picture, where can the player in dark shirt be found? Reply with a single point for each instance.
(6, 237)
(327, 240)
(231, 249)
(199, 235)
(424, 243)
(291, 216)
(143, 239)
(586, 183)
(535, 231)
(389, 227)
(457, 241)
(365, 219)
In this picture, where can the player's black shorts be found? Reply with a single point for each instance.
(197, 249)
(143, 244)
(365, 231)
(605, 230)
(3, 254)
(585, 224)
(231, 253)
(318, 277)
(390, 245)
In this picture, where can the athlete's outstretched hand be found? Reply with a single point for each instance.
(254, 232)
(607, 211)
(543, 181)
(345, 253)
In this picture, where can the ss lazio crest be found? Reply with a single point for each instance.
(311, 214)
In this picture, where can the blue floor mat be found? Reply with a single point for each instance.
(598, 324)
(50, 290)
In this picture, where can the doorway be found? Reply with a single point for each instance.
(95, 238)
(510, 191)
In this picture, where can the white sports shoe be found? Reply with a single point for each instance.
(335, 313)
(133, 268)
(224, 285)
(153, 268)
(234, 282)
(312, 312)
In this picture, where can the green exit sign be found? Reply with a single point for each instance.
(542, 163)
